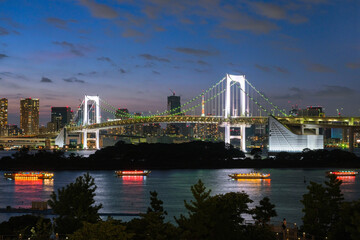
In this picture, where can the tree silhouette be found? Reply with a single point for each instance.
(264, 212)
(74, 204)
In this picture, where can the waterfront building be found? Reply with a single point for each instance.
(312, 111)
(60, 116)
(3, 114)
(29, 115)
(11, 131)
(173, 104)
(282, 139)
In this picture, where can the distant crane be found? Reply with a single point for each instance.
(172, 91)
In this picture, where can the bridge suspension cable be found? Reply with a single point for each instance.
(209, 99)
(122, 114)
(265, 98)
(190, 101)
(252, 99)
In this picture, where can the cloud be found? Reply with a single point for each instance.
(294, 93)
(196, 52)
(239, 21)
(129, 32)
(263, 68)
(13, 75)
(328, 91)
(3, 31)
(153, 58)
(59, 23)
(106, 59)
(201, 62)
(234, 64)
(3, 56)
(199, 70)
(316, 67)
(8, 84)
(353, 65)
(87, 74)
(280, 69)
(75, 50)
(46, 80)
(297, 19)
(269, 10)
(335, 91)
(99, 10)
(73, 80)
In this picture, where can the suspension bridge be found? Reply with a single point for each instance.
(232, 102)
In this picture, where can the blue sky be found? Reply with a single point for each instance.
(130, 53)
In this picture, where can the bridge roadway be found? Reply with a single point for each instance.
(325, 122)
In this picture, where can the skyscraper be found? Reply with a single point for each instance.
(173, 104)
(3, 114)
(29, 115)
(60, 116)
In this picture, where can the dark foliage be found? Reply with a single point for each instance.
(326, 215)
(219, 217)
(151, 225)
(24, 224)
(170, 156)
(74, 204)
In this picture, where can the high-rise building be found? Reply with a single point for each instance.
(29, 115)
(60, 116)
(173, 104)
(3, 113)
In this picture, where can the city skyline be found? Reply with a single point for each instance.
(304, 52)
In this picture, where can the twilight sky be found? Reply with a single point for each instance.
(304, 52)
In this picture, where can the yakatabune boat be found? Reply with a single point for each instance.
(252, 175)
(29, 175)
(133, 173)
(342, 173)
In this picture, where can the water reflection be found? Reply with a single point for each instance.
(347, 179)
(254, 182)
(133, 179)
(130, 192)
(27, 191)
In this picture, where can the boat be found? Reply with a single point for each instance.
(252, 175)
(342, 173)
(133, 173)
(29, 175)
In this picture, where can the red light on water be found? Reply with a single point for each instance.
(132, 172)
(133, 178)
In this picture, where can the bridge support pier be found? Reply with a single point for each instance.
(351, 139)
(242, 134)
(97, 136)
(227, 134)
(85, 139)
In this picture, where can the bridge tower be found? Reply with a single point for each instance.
(233, 113)
(92, 118)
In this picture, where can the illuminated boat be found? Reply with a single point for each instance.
(252, 175)
(29, 175)
(342, 173)
(133, 173)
